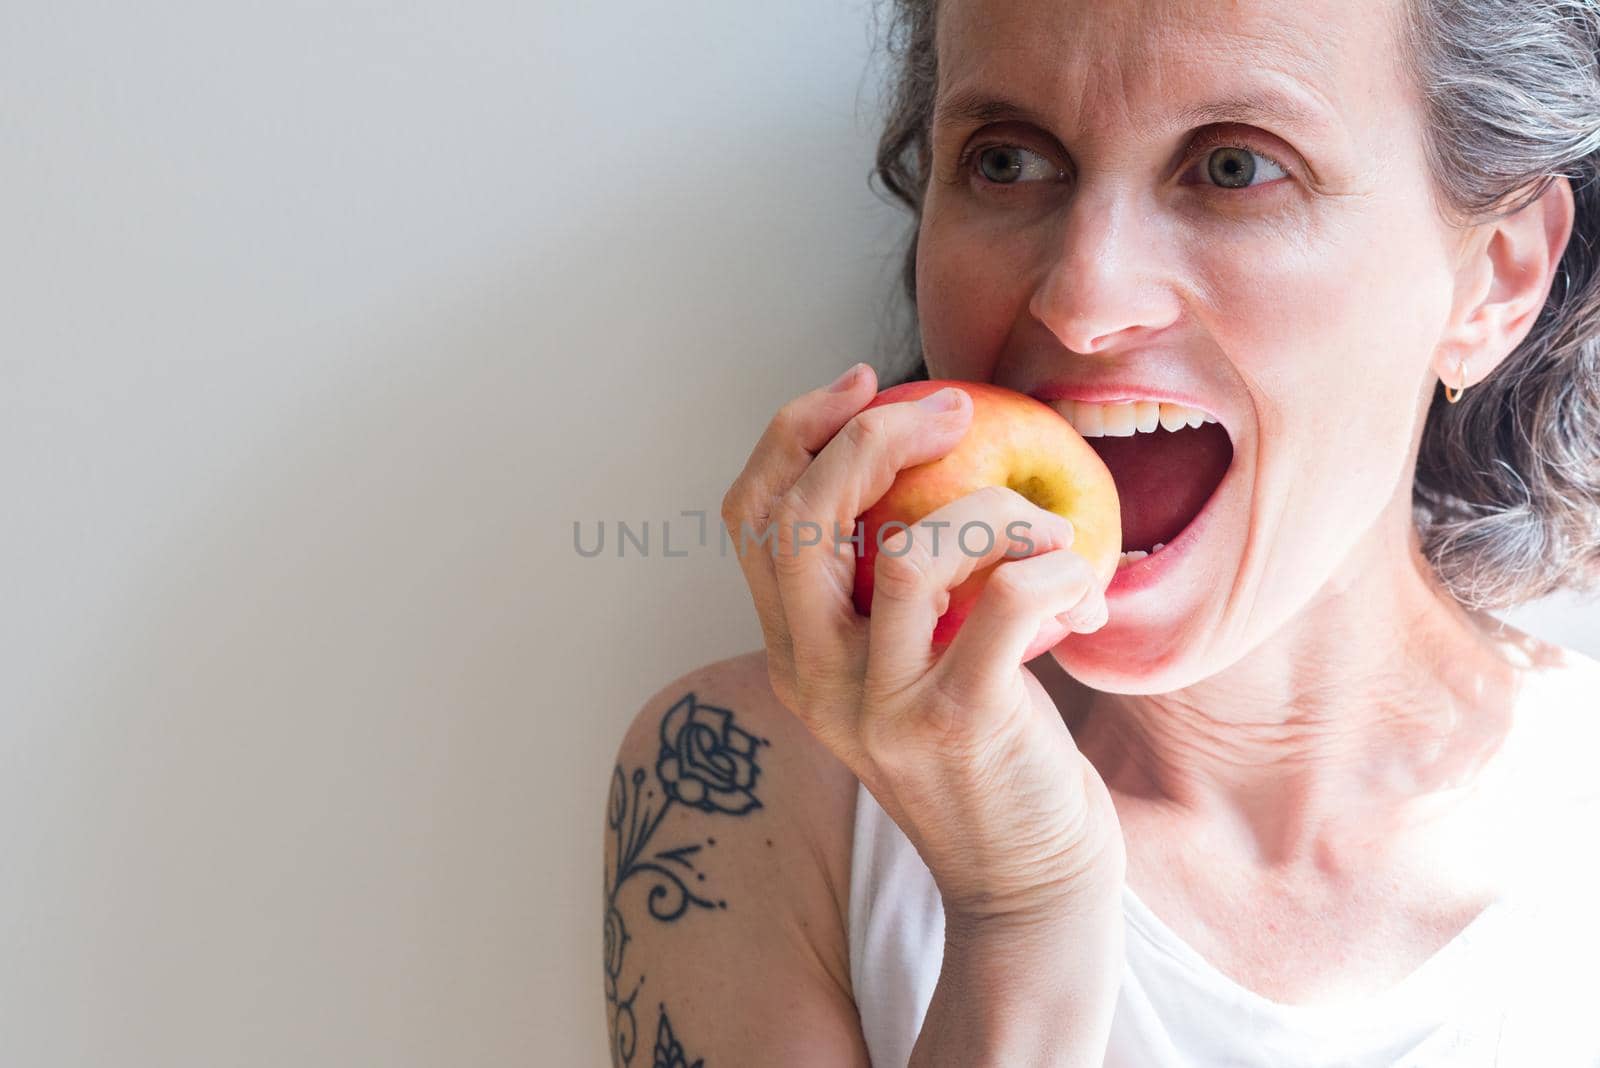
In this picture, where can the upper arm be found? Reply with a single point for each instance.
(726, 882)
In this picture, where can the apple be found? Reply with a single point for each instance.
(1013, 440)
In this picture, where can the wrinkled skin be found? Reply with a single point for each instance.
(1274, 720)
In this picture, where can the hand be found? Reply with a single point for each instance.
(960, 745)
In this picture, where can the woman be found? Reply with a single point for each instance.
(1287, 794)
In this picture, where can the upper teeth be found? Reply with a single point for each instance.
(1130, 417)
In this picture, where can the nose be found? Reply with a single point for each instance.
(1103, 287)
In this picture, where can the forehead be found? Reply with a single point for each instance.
(1147, 64)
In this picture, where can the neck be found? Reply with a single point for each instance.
(1373, 707)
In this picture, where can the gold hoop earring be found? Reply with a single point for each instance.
(1461, 373)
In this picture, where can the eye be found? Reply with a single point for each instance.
(1238, 167)
(1009, 164)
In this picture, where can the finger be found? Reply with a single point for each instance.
(917, 568)
(1021, 601)
(786, 447)
(815, 568)
(798, 431)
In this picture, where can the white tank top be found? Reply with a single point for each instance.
(1517, 988)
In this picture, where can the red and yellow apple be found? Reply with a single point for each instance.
(1013, 440)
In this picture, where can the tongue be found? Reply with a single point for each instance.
(1164, 478)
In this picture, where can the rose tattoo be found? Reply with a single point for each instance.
(705, 762)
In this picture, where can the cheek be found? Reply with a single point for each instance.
(966, 307)
(1331, 326)
(1331, 330)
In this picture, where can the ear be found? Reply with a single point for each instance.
(1503, 280)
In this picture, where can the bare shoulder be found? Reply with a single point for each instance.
(1574, 711)
(1556, 733)
(1553, 812)
(727, 858)
(725, 740)
(1563, 688)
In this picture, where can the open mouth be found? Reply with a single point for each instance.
(1163, 480)
(1166, 460)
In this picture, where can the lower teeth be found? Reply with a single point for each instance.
(1130, 555)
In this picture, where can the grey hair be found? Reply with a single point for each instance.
(1506, 495)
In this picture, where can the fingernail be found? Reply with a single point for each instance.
(851, 375)
(1067, 531)
(944, 400)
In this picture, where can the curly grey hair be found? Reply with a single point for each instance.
(1507, 489)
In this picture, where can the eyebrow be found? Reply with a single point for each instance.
(973, 107)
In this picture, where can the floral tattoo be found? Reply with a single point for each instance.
(707, 763)
(669, 1051)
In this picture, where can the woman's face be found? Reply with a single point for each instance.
(1288, 273)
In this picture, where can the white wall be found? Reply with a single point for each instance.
(319, 325)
